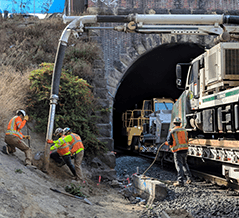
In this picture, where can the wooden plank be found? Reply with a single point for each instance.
(214, 142)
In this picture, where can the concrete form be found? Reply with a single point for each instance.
(149, 187)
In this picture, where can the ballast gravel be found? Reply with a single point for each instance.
(200, 199)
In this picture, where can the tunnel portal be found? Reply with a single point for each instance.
(152, 75)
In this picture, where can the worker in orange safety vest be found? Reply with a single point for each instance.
(14, 136)
(63, 151)
(77, 151)
(178, 141)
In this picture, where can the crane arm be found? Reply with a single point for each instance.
(188, 24)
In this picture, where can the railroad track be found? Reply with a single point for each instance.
(202, 175)
(208, 177)
(216, 179)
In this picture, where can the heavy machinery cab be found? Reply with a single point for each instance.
(149, 125)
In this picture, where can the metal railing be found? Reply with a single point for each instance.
(135, 117)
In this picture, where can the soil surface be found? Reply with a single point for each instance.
(25, 192)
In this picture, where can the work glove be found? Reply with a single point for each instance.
(49, 141)
(166, 143)
(27, 137)
(73, 156)
(26, 118)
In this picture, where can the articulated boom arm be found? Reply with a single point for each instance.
(161, 23)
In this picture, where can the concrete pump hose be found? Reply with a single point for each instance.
(231, 19)
(154, 158)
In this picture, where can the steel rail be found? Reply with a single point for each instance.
(215, 179)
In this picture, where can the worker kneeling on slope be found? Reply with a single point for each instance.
(14, 136)
(77, 150)
(178, 142)
(63, 151)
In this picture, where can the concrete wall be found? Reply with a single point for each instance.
(120, 50)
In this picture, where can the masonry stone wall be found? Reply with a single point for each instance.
(120, 50)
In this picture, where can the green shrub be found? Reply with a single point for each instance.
(75, 108)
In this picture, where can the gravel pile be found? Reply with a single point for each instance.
(201, 199)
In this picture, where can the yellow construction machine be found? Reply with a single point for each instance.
(147, 127)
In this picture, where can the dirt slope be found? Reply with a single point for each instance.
(26, 192)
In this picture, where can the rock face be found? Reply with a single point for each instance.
(109, 159)
(100, 169)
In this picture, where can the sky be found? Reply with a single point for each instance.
(32, 6)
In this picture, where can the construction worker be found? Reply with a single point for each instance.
(178, 141)
(63, 151)
(14, 136)
(77, 151)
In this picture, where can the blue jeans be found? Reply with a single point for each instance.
(180, 160)
(66, 158)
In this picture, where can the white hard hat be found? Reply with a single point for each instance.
(21, 111)
(66, 130)
(177, 120)
(58, 131)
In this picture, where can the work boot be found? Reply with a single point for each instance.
(30, 166)
(60, 164)
(5, 150)
(178, 184)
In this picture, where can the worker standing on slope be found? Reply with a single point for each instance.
(63, 150)
(77, 151)
(14, 136)
(178, 142)
(55, 155)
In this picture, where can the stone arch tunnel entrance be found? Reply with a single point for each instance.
(151, 75)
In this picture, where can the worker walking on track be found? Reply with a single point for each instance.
(77, 150)
(63, 151)
(14, 136)
(178, 142)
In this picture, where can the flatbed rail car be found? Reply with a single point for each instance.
(209, 106)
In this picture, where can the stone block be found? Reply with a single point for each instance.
(112, 82)
(106, 174)
(103, 103)
(103, 117)
(101, 93)
(140, 49)
(104, 129)
(119, 66)
(112, 91)
(150, 187)
(109, 142)
(133, 54)
(100, 83)
(109, 159)
(125, 59)
(115, 74)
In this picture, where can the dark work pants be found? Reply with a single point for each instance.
(66, 158)
(180, 160)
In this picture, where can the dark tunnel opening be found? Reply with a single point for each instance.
(152, 75)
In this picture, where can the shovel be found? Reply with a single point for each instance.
(29, 145)
(74, 196)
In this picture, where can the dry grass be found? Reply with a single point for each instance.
(14, 87)
(26, 43)
(29, 42)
